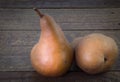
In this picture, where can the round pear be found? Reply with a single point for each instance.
(95, 53)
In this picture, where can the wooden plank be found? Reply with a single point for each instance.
(74, 19)
(58, 3)
(15, 47)
(15, 63)
(69, 77)
(29, 38)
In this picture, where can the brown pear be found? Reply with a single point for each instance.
(52, 55)
(95, 53)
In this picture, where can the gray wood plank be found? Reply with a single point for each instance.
(15, 47)
(29, 38)
(69, 77)
(58, 3)
(74, 19)
(15, 63)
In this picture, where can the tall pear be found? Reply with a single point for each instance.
(52, 55)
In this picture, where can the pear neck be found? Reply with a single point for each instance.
(48, 24)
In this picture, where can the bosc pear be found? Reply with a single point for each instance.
(52, 55)
(95, 53)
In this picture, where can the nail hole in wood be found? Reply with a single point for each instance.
(112, 13)
(118, 23)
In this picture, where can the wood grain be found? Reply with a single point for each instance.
(59, 3)
(69, 77)
(19, 31)
(15, 47)
(68, 19)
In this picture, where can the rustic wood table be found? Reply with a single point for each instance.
(19, 31)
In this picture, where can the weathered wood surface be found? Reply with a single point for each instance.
(19, 31)
(69, 77)
(59, 3)
(15, 47)
(72, 19)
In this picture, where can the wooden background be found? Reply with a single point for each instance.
(19, 31)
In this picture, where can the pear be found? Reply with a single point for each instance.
(95, 53)
(52, 56)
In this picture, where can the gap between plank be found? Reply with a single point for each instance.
(62, 29)
(58, 7)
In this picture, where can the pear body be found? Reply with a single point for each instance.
(95, 53)
(52, 55)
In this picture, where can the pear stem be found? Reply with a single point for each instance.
(38, 12)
